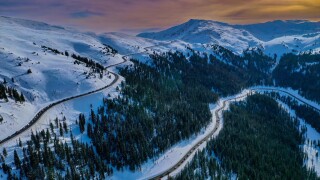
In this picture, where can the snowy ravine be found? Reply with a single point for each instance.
(312, 161)
(312, 134)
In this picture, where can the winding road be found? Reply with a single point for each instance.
(204, 140)
(36, 118)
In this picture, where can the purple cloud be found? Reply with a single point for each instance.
(108, 15)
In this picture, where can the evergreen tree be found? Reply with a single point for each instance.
(22, 99)
(17, 161)
(4, 152)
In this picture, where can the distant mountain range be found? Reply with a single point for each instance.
(291, 35)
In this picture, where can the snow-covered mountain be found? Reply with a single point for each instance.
(206, 31)
(279, 28)
(274, 37)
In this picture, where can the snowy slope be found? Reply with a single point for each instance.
(54, 76)
(293, 43)
(124, 43)
(279, 28)
(277, 37)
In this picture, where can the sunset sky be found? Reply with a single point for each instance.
(143, 15)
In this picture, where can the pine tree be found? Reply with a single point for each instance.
(22, 99)
(82, 122)
(17, 161)
(89, 130)
(51, 127)
(65, 126)
(4, 152)
(5, 168)
(61, 130)
(56, 122)
(51, 173)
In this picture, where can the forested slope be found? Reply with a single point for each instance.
(259, 141)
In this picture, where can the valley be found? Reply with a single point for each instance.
(146, 106)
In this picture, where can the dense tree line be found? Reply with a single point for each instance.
(251, 59)
(259, 140)
(109, 49)
(300, 72)
(307, 113)
(203, 166)
(161, 104)
(226, 75)
(254, 62)
(8, 92)
(46, 156)
(89, 62)
(156, 109)
(52, 50)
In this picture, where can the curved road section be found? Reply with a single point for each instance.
(48, 107)
(204, 140)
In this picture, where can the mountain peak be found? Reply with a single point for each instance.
(197, 20)
(192, 21)
(207, 31)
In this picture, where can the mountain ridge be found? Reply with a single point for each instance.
(279, 36)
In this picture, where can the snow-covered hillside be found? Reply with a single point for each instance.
(125, 44)
(277, 37)
(31, 45)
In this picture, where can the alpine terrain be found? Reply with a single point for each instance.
(200, 100)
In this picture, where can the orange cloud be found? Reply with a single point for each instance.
(101, 15)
